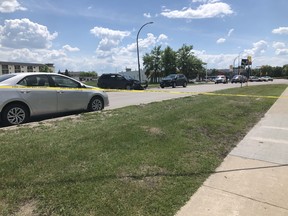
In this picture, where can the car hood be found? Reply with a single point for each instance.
(5, 84)
(135, 81)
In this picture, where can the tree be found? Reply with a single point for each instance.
(44, 68)
(198, 70)
(285, 70)
(92, 74)
(266, 70)
(183, 60)
(66, 73)
(278, 72)
(152, 64)
(169, 61)
(189, 64)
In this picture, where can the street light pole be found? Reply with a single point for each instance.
(138, 49)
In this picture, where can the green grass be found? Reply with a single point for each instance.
(138, 160)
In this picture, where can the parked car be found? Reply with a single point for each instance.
(239, 79)
(266, 78)
(24, 95)
(118, 81)
(221, 79)
(174, 80)
(254, 79)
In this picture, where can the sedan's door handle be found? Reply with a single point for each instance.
(25, 91)
(60, 92)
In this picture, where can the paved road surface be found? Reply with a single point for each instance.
(127, 98)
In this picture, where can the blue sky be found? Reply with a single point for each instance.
(100, 35)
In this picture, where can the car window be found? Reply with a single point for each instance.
(6, 76)
(105, 77)
(119, 77)
(34, 80)
(171, 76)
(65, 82)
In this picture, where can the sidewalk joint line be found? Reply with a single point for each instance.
(246, 197)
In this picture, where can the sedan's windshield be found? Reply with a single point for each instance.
(6, 76)
(171, 76)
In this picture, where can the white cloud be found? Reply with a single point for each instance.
(125, 56)
(208, 10)
(109, 33)
(10, 6)
(279, 45)
(280, 30)
(221, 40)
(162, 37)
(280, 48)
(25, 34)
(147, 15)
(259, 48)
(109, 38)
(281, 52)
(70, 49)
(29, 55)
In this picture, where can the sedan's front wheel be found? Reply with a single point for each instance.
(15, 114)
(96, 104)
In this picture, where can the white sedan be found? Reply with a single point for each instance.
(31, 94)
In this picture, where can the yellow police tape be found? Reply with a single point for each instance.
(50, 88)
(140, 91)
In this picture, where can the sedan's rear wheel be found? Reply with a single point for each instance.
(15, 114)
(96, 104)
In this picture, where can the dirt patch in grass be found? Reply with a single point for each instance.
(27, 209)
(153, 130)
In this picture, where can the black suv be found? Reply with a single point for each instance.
(174, 80)
(118, 81)
(239, 78)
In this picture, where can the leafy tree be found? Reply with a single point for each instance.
(66, 73)
(266, 70)
(92, 74)
(189, 64)
(152, 64)
(184, 61)
(44, 68)
(161, 63)
(278, 72)
(169, 61)
(285, 70)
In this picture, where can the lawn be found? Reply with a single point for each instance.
(138, 160)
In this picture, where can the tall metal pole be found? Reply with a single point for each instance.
(138, 49)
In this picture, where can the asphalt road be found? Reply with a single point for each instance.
(120, 99)
(127, 98)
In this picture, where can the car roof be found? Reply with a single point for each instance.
(19, 76)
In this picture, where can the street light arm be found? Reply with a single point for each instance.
(138, 48)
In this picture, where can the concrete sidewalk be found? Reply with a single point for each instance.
(253, 179)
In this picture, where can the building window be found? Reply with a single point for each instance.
(5, 69)
(29, 68)
(17, 68)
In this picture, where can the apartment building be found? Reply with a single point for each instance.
(21, 67)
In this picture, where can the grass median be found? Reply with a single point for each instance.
(138, 160)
